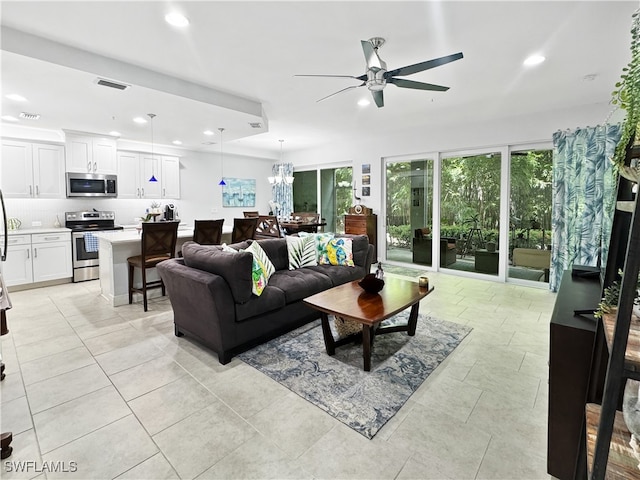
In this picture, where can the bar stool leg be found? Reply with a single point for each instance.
(144, 285)
(130, 284)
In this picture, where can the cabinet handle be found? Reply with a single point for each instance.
(95, 166)
(143, 192)
(88, 166)
(30, 191)
(35, 252)
(52, 238)
(37, 191)
(164, 192)
(27, 254)
(13, 241)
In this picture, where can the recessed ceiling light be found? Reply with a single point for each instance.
(208, 132)
(113, 133)
(177, 142)
(534, 60)
(364, 102)
(176, 19)
(9, 118)
(140, 120)
(16, 98)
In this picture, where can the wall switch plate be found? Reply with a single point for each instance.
(36, 224)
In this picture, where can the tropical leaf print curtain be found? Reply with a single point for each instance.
(584, 189)
(283, 192)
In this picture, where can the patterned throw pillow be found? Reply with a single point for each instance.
(262, 268)
(340, 252)
(302, 252)
(321, 240)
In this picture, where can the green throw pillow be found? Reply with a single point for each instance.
(302, 252)
(262, 268)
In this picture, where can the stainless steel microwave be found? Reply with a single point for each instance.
(91, 185)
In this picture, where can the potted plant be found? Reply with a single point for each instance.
(627, 97)
(611, 296)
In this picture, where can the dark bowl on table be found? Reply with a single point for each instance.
(371, 284)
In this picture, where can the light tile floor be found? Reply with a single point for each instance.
(113, 390)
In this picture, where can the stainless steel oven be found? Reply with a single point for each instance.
(84, 246)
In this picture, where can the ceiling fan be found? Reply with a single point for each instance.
(377, 75)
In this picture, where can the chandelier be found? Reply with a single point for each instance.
(280, 177)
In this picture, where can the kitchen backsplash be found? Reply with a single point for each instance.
(45, 211)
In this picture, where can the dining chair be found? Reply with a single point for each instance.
(251, 214)
(158, 244)
(243, 229)
(268, 227)
(208, 232)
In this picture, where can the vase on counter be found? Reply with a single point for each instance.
(57, 223)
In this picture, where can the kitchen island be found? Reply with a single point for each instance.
(114, 249)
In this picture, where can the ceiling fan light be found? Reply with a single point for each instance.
(176, 19)
(534, 60)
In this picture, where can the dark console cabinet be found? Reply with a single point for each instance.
(577, 364)
(363, 225)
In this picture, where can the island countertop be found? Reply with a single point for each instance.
(132, 235)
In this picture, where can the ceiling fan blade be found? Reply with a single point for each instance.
(420, 67)
(401, 82)
(378, 98)
(340, 91)
(370, 54)
(334, 76)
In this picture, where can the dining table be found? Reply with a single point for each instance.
(292, 227)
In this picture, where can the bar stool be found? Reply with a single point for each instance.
(158, 244)
(243, 229)
(208, 232)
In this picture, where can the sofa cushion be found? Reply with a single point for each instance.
(339, 252)
(272, 298)
(235, 268)
(302, 252)
(300, 283)
(276, 250)
(340, 274)
(321, 240)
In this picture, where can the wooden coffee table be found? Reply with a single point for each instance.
(351, 302)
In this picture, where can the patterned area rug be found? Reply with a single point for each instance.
(364, 401)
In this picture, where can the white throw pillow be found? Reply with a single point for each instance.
(302, 252)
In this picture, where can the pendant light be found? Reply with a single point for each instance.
(222, 182)
(280, 177)
(153, 160)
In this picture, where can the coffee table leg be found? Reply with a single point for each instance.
(366, 347)
(329, 343)
(413, 319)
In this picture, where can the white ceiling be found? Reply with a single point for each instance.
(253, 50)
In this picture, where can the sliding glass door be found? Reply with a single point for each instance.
(530, 214)
(409, 208)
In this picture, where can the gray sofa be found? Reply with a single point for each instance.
(210, 293)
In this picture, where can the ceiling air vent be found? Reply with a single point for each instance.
(255, 124)
(112, 84)
(29, 116)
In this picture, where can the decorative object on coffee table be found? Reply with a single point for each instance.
(371, 283)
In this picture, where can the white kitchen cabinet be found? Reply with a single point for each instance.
(51, 256)
(91, 154)
(32, 170)
(135, 169)
(17, 270)
(170, 178)
(150, 166)
(37, 258)
(129, 175)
